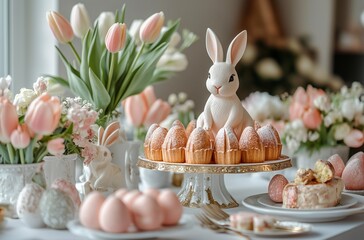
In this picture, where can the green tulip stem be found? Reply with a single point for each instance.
(21, 153)
(113, 58)
(128, 75)
(11, 152)
(75, 52)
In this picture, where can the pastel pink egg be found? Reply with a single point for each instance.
(152, 192)
(120, 193)
(90, 208)
(171, 207)
(68, 188)
(130, 197)
(337, 163)
(147, 214)
(275, 187)
(114, 216)
(353, 174)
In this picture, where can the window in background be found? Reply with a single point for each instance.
(4, 38)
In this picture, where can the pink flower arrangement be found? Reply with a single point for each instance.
(144, 109)
(320, 119)
(36, 124)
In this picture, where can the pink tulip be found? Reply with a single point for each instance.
(56, 146)
(60, 27)
(8, 119)
(354, 139)
(312, 118)
(43, 114)
(313, 94)
(115, 37)
(20, 137)
(149, 95)
(151, 28)
(80, 21)
(136, 109)
(157, 112)
(296, 110)
(300, 96)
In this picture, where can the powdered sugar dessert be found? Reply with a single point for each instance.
(251, 221)
(227, 147)
(251, 147)
(314, 189)
(173, 148)
(199, 149)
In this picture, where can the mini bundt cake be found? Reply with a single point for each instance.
(173, 148)
(227, 147)
(198, 149)
(251, 147)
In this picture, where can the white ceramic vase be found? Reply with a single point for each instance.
(305, 159)
(60, 167)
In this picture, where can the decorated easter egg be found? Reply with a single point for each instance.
(147, 214)
(90, 210)
(28, 205)
(68, 188)
(171, 207)
(114, 216)
(56, 208)
(275, 187)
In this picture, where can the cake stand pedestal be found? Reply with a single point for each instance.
(204, 183)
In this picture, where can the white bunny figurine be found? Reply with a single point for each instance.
(101, 173)
(223, 108)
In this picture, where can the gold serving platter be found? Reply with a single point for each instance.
(267, 166)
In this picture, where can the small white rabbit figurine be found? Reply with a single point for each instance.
(223, 107)
(101, 173)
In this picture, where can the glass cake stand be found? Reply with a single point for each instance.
(204, 183)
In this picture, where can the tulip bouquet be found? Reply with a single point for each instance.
(114, 63)
(36, 123)
(144, 109)
(320, 119)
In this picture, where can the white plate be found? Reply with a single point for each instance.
(302, 228)
(359, 192)
(346, 202)
(315, 215)
(76, 228)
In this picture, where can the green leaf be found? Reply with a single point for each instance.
(95, 52)
(84, 58)
(78, 86)
(122, 15)
(101, 97)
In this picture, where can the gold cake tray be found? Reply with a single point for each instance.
(205, 184)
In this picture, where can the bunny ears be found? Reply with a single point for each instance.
(235, 51)
(110, 135)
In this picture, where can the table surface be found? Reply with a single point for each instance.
(240, 186)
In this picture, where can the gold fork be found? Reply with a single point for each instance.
(207, 222)
(219, 216)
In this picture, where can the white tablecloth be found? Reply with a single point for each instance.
(240, 186)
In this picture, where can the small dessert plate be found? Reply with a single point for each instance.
(312, 215)
(288, 228)
(358, 192)
(346, 202)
